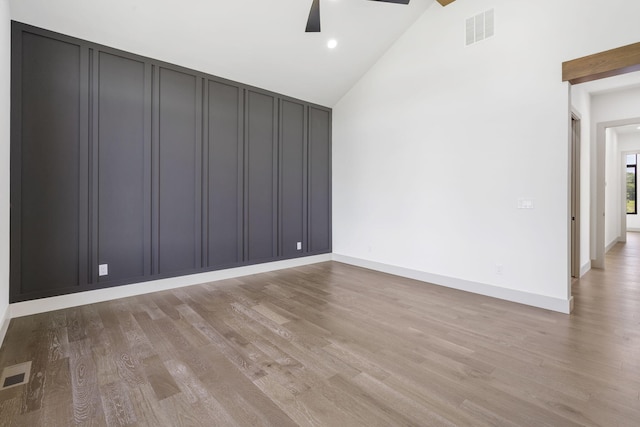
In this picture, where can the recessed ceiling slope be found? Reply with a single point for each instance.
(257, 42)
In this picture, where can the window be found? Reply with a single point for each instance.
(632, 162)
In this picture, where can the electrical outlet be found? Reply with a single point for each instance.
(499, 269)
(299, 246)
(103, 270)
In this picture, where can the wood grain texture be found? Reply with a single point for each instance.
(625, 59)
(331, 344)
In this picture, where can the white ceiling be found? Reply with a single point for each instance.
(627, 129)
(612, 84)
(257, 42)
(615, 84)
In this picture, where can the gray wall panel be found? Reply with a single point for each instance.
(121, 166)
(225, 175)
(50, 164)
(261, 196)
(177, 172)
(153, 169)
(319, 180)
(292, 179)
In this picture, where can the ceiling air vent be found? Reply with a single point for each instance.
(480, 27)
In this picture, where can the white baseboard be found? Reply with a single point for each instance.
(633, 230)
(585, 268)
(611, 245)
(4, 324)
(43, 305)
(540, 301)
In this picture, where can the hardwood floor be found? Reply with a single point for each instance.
(334, 345)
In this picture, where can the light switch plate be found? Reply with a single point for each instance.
(525, 203)
(299, 246)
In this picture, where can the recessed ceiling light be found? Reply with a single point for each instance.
(331, 44)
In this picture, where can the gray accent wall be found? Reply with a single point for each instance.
(319, 180)
(260, 168)
(224, 180)
(153, 169)
(121, 150)
(177, 163)
(52, 164)
(293, 181)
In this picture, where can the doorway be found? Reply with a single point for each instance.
(599, 219)
(575, 195)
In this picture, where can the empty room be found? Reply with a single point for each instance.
(319, 213)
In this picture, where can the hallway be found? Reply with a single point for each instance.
(612, 293)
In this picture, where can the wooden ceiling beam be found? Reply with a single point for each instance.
(445, 2)
(622, 60)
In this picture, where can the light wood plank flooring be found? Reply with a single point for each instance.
(334, 345)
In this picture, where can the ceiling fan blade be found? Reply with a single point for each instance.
(395, 1)
(445, 2)
(313, 23)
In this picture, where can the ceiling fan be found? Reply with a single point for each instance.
(313, 23)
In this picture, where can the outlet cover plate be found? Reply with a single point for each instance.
(103, 270)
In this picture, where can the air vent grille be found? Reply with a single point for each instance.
(15, 375)
(480, 27)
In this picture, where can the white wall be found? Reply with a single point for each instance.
(630, 143)
(5, 71)
(581, 104)
(612, 190)
(436, 131)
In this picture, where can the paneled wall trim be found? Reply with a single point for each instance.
(126, 169)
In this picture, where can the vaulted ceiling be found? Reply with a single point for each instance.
(258, 42)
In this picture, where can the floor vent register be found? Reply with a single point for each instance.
(13, 376)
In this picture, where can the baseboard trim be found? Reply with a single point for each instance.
(43, 305)
(633, 230)
(540, 301)
(611, 245)
(585, 268)
(4, 325)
